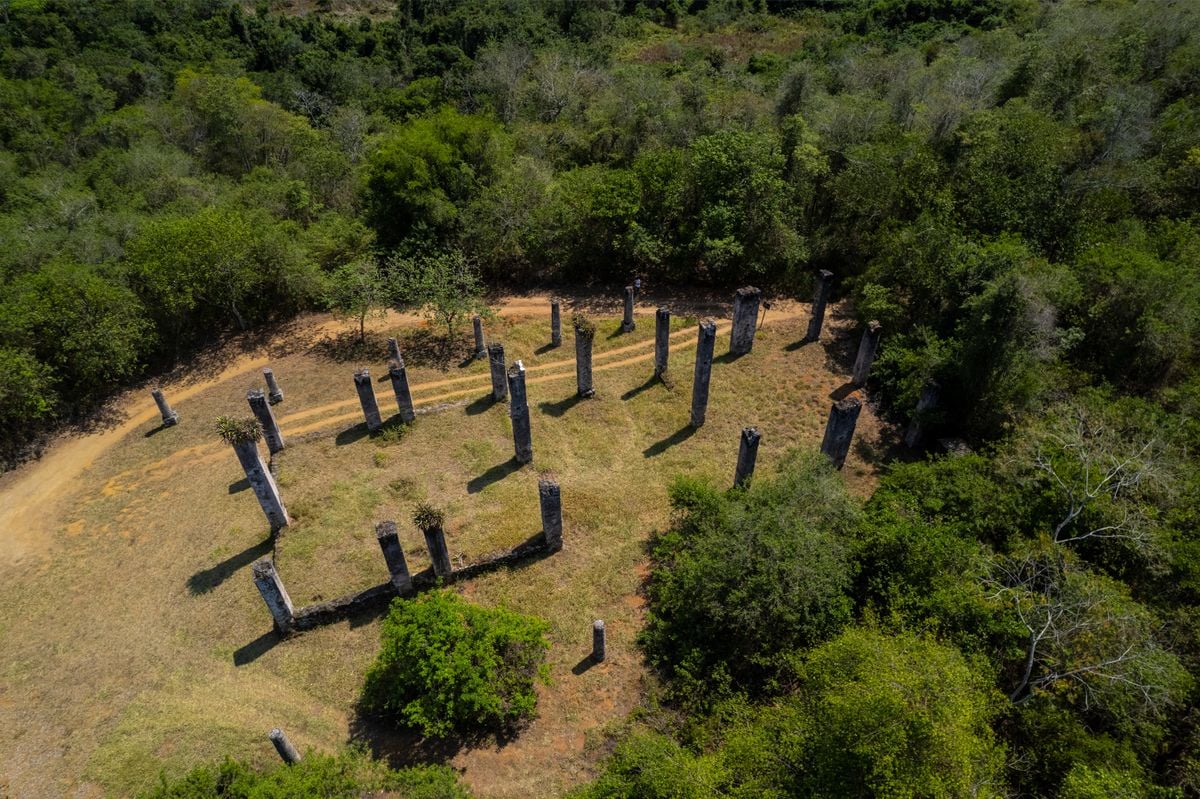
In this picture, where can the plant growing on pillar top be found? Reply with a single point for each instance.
(583, 325)
(234, 430)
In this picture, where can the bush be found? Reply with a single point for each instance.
(446, 665)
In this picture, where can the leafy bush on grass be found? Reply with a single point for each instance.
(447, 665)
(348, 775)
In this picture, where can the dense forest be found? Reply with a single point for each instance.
(1010, 187)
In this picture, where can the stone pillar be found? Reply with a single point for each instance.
(480, 351)
(843, 417)
(518, 411)
(704, 359)
(266, 418)
(583, 359)
(496, 364)
(555, 323)
(366, 396)
(393, 556)
(274, 594)
(930, 395)
(662, 341)
(394, 350)
(824, 283)
(274, 392)
(435, 542)
(169, 417)
(550, 499)
(599, 650)
(627, 324)
(398, 372)
(866, 353)
(263, 483)
(284, 747)
(747, 457)
(745, 320)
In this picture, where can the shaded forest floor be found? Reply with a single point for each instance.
(132, 638)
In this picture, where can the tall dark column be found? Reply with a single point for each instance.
(704, 359)
(398, 372)
(366, 397)
(393, 556)
(266, 419)
(627, 324)
(480, 351)
(274, 594)
(555, 323)
(926, 404)
(496, 365)
(550, 500)
(262, 483)
(169, 417)
(439, 553)
(599, 644)
(662, 341)
(518, 411)
(745, 320)
(585, 331)
(274, 392)
(866, 353)
(843, 417)
(821, 296)
(747, 457)
(284, 747)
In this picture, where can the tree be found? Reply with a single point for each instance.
(359, 289)
(445, 285)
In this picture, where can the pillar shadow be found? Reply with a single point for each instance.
(633, 392)
(620, 332)
(729, 357)
(401, 747)
(240, 485)
(351, 434)
(256, 648)
(584, 665)
(492, 475)
(561, 407)
(795, 345)
(842, 391)
(542, 350)
(155, 431)
(480, 405)
(206, 580)
(678, 437)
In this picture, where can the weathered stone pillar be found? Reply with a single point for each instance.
(262, 482)
(928, 401)
(496, 364)
(366, 396)
(555, 323)
(599, 649)
(824, 284)
(550, 499)
(747, 457)
(518, 411)
(662, 341)
(266, 418)
(866, 353)
(585, 331)
(627, 324)
(704, 359)
(393, 556)
(398, 372)
(284, 747)
(274, 392)
(745, 320)
(274, 594)
(480, 351)
(843, 417)
(394, 350)
(439, 554)
(169, 417)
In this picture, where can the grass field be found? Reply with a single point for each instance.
(133, 640)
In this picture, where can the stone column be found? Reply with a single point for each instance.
(266, 418)
(550, 499)
(263, 483)
(747, 457)
(662, 341)
(169, 417)
(555, 323)
(274, 392)
(480, 351)
(930, 395)
(745, 320)
(866, 353)
(394, 350)
(824, 283)
(393, 556)
(599, 650)
(518, 411)
(398, 372)
(496, 364)
(843, 417)
(366, 396)
(704, 359)
(274, 594)
(627, 324)
(435, 542)
(583, 359)
(284, 747)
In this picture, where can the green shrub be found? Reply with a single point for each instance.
(652, 766)
(446, 665)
